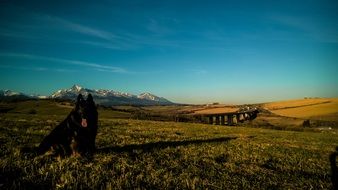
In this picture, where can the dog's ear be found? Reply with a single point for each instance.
(78, 100)
(90, 99)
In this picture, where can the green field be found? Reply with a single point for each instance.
(162, 155)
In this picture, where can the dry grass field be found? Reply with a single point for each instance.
(216, 110)
(319, 108)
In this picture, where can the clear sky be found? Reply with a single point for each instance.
(186, 51)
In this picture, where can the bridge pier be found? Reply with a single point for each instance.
(211, 120)
(246, 116)
(222, 119)
(240, 118)
(217, 121)
(230, 119)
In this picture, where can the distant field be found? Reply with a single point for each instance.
(175, 110)
(216, 110)
(162, 155)
(296, 103)
(325, 109)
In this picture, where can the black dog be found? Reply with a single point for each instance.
(92, 121)
(76, 134)
(87, 135)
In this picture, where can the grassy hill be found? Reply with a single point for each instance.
(162, 155)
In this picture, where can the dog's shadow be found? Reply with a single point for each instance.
(149, 147)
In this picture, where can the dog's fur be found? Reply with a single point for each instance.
(76, 134)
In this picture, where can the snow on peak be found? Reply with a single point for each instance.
(152, 97)
(147, 96)
(112, 96)
(10, 93)
(102, 96)
(76, 88)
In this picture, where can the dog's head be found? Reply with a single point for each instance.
(86, 109)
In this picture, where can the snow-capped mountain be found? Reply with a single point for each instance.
(76, 89)
(102, 96)
(148, 96)
(110, 97)
(10, 93)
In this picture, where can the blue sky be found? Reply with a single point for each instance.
(186, 51)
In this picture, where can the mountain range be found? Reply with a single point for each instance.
(101, 96)
(11, 95)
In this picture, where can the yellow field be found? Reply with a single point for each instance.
(307, 108)
(216, 110)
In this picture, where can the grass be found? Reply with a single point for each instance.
(165, 155)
